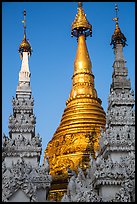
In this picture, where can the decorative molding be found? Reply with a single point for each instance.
(24, 176)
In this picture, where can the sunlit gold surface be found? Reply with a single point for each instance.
(25, 46)
(81, 20)
(118, 37)
(77, 135)
(117, 28)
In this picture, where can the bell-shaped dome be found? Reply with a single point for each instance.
(25, 45)
(118, 37)
(81, 24)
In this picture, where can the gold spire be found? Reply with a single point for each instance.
(77, 135)
(25, 46)
(81, 24)
(118, 37)
(83, 79)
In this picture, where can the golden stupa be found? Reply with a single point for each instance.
(77, 135)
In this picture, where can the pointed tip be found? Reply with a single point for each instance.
(25, 45)
(80, 24)
(116, 10)
(80, 4)
(118, 37)
(24, 12)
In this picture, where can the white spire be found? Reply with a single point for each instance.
(23, 88)
(24, 74)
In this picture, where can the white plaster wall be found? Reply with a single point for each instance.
(108, 191)
(15, 135)
(32, 160)
(24, 74)
(27, 136)
(116, 155)
(19, 196)
(8, 161)
(41, 195)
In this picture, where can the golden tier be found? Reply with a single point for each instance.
(79, 129)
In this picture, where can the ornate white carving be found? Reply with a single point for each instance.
(81, 188)
(119, 136)
(22, 104)
(23, 176)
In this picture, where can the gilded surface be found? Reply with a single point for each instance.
(81, 20)
(25, 45)
(118, 37)
(79, 129)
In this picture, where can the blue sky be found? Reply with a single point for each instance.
(54, 50)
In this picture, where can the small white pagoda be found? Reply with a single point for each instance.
(23, 179)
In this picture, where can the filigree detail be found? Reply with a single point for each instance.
(22, 104)
(80, 189)
(24, 176)
(21, 142)
(22, 123)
